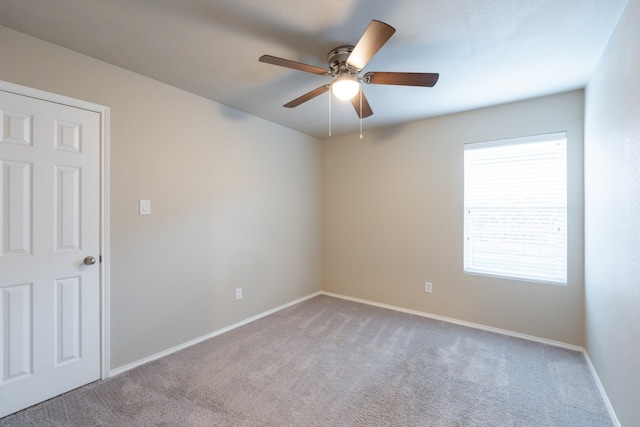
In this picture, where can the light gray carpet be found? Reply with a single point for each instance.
(331, 362)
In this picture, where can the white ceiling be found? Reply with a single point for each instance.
(486, 51)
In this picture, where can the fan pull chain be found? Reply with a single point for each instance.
(330, 113)
(361, 112)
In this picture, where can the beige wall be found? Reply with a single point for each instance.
(392, 219)
(235, 201)
(612, 218)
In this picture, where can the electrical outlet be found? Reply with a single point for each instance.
(428, 287)
(238, 293)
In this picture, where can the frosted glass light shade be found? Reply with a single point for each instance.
(345, 87)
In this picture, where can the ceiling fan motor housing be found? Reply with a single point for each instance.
(337, 59)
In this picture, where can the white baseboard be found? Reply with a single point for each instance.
(461, 322)
(125, 368)
(560, 344)
(603, 393)
(572, 347)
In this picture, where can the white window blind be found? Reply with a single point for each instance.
(515, 208)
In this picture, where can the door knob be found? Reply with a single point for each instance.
(89, 260)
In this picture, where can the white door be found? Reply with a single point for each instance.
(49, 223)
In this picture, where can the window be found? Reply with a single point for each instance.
(515, 208)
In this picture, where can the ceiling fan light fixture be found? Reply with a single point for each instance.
(345, 87)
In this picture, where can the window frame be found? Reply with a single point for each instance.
(561, 278)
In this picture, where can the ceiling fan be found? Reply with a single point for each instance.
(345, 62)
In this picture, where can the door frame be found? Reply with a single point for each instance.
(103, 112)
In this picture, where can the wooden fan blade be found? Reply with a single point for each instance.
(402, 79)
(307, 96)
(374, 37)
(274, 60)
(366, 108)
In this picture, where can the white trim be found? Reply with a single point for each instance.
(103, 112)
(603, 393)
(167, 352)
(105, 247)
(52, 97)
(560, 344)
(187, 344)
(462, 323)
(516, 140)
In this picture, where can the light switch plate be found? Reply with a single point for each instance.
(145, 207)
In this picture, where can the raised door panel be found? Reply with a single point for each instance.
(68, 136)
(67, 208)
(15, 323)
(67, 311)
(15, 207)
(15, 128)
